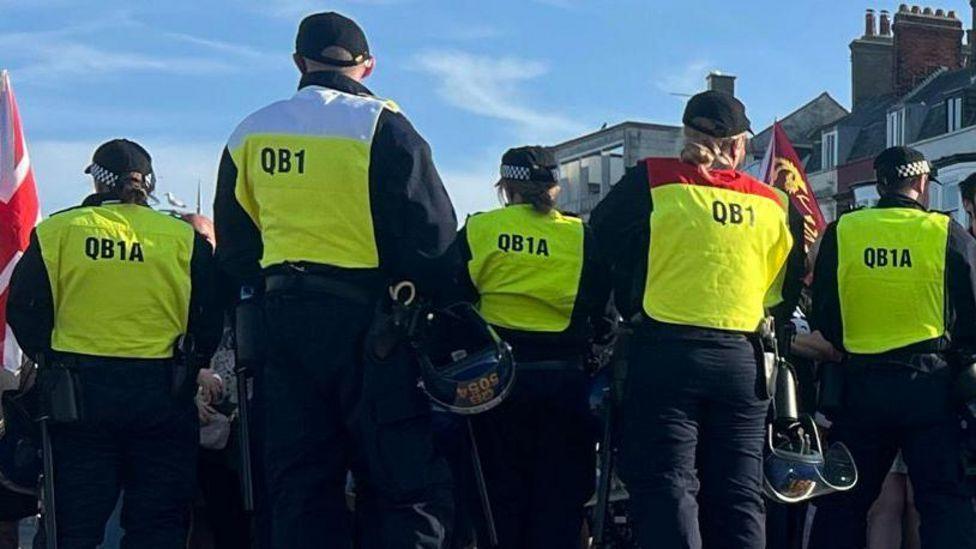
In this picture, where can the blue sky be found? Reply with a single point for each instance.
(475, 77)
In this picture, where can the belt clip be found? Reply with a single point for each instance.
(296, 267)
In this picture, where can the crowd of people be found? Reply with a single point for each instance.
(335, 254)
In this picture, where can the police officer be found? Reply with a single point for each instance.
(538, 279)
(105, 290)
(894, 290)
(698, 248)
(324, 200)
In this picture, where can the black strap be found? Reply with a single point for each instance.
(313, 283)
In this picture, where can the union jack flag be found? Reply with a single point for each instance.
(19, 208)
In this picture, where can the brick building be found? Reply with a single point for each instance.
(912, 83)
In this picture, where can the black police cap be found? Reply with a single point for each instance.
(324, 30)
(717, 114)
(532, 163)
(118, 157)
(899, 163)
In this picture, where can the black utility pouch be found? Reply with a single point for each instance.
(60, 393)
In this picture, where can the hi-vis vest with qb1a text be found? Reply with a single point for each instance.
(120, 280)
(891, 277)
(526, 266)
(718, 247)
(303, 177)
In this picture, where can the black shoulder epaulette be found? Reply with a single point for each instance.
(852, 210)
(79, 206)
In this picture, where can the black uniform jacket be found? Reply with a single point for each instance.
(413, 219)
(30, 305)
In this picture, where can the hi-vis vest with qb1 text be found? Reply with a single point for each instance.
(891, 277)
(526, 266)
(120, 280)
(718, 247)
(303, 177)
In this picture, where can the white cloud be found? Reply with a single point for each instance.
(689, 79)
(490, 86)
(72, 50)
(239, 51)
(58, 169)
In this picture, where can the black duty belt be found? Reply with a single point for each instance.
(312, 283)
(550, 366)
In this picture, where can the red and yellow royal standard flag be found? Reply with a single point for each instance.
(783, 170)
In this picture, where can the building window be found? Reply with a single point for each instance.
(953, 114)
(829, 150)
(896, 128)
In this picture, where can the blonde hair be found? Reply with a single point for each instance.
(706, 151)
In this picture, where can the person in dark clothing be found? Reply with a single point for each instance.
(894, 290)
(538, 278)
(105, 289)
(700, 251)
(967, 192)
(323, 201)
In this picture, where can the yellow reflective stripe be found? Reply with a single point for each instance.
(526, 267)
(714, 255)
(120, 280)
(315, 206)
(891, 277)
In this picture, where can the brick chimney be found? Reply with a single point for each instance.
(721, 82)
(872, 60)
(972, 36)
(924, 41)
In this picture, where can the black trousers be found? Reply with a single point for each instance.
(328, 410)
(891, 406)
(223, 503)
(537, 451)
(691, 449)
(135, 438)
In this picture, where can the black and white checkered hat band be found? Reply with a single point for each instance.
(520, 173)
(524, 173)
(102, 175)
(914, 169)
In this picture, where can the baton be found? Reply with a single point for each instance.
(605, 472)
(479, 476)
(47, 490)
(244, 439)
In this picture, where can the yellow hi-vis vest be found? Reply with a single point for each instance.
(526, 266)
(120, 280)
(891, 277)
(718, 247)
(303, 177)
